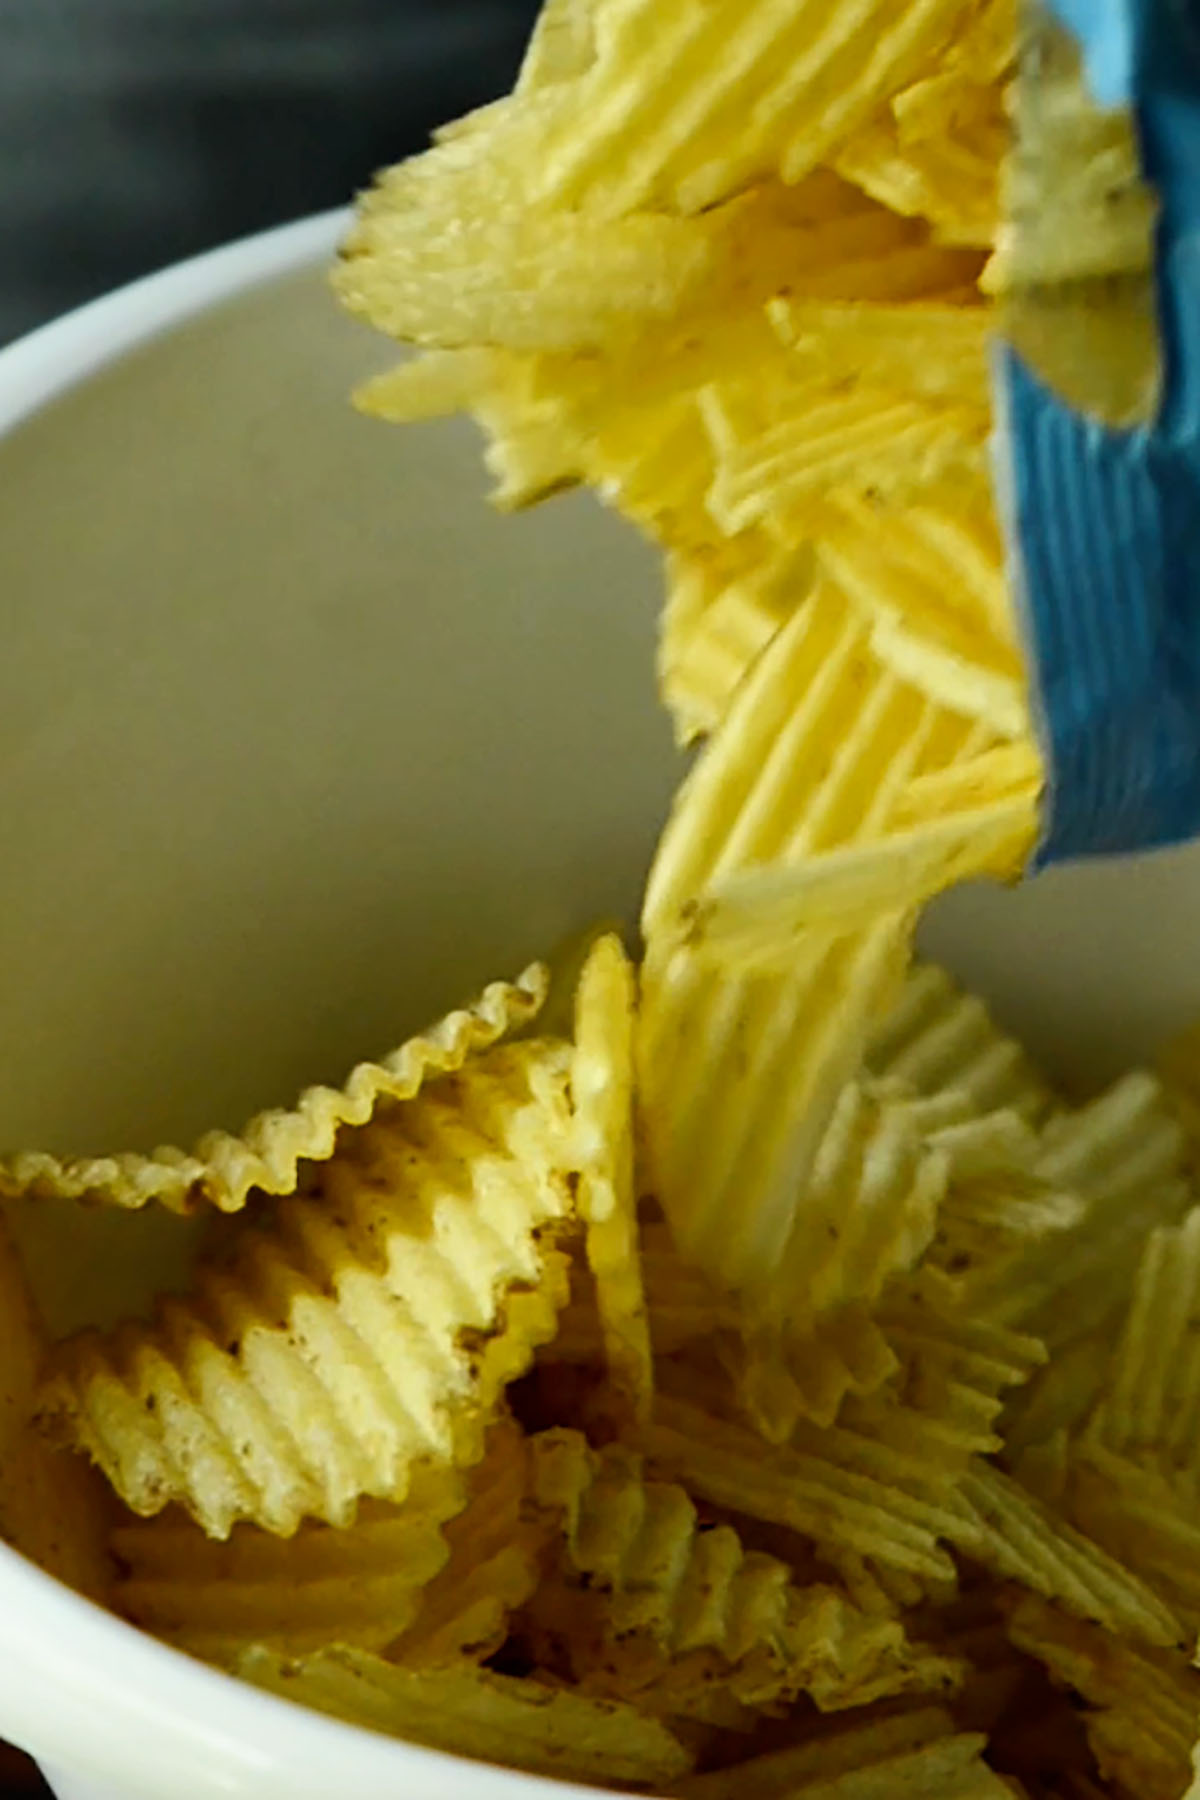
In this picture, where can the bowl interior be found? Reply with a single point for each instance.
(300, 742)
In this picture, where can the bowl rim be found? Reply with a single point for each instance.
(85, 1691)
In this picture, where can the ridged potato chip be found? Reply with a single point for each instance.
(655, 1609)
(517, 1723)
(360, 1586)
(365, 1329)
(223, 1171)
(52, 1509)
(681, 108)
(602, 1083)
(1142, 1707)
(937, 1037)
(917, 1754)
(492, 1568)
(979, 818)
(739, 1076)
(718, 618)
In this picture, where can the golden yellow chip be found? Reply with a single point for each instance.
(718, 619)
(562, 45)
(222, 1171)
(520, 1724)
(602, 1076)
(360, 1586)
(681, 108)
(917, 1754)
(1019, 1539)
(52, 1509)
(655, 1609)
(937, 1037)
(980, 817)
(1142, 1707)
(492, 1568)
(845, 1491)
(363, 1330)
(739, 1076)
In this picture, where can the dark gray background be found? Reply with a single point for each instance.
(133, 132)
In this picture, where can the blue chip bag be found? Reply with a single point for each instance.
(1098, 387)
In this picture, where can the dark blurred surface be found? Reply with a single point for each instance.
(134, 132)
(19, 1779)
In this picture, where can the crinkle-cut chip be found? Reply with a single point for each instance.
(841, 1489)
(602, 1079)
(1123, 1155)
(682, 1304)
(1147, 1518)
(936, 1036)
(738, 1078)
(684, 106)
(659, 1610)
(717, 621)
(1150, 1407)
(936, 154)
(866, 439)
(1060, 1397)
(930, 622)
(52, 1509)
(360, 1586)
(1018, 1539)
(954, 1372)
(936, 349)
(970, 1627)
(562, 45)
(782, 1375)
(223, 1171)
(491, 1569)
(768, 788)
(915, 1754)
(1142, 1707)
(430, 385)
(521, 1724)
(360, 1331)
(979, 817)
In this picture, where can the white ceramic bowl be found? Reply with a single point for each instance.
(298, 744)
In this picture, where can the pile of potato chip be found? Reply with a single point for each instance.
(776, 1388)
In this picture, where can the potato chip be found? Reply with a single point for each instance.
(827, 437)
(361, 1586)
(682, 1305)
(768, 790)
(916, 1754)
(52, 1509)
(364, 1329)
(519, 1724)
(936, 1037)
(1142, 1707)
(980, 817)
(936, 350)
(845, 1490)
(1149, 1409)
(602, 1079)
(951, 180)
(717, 621)
(222, 1171)
(739, 1076)
(947, 635)
(683, 108)
(1144, 1516)
(562, 45)
(429, 385)
(1018, 1539)
(660, 1610)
